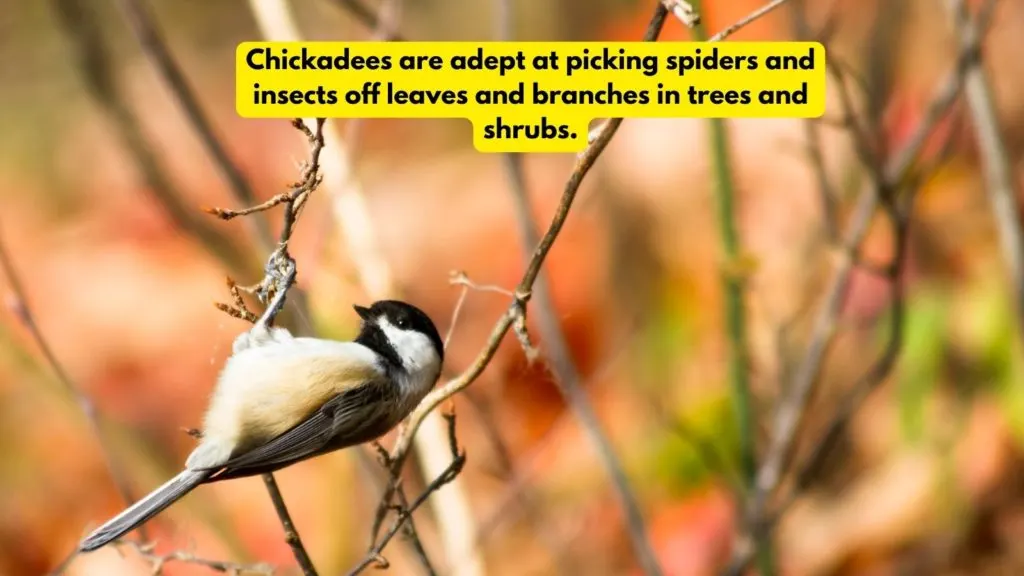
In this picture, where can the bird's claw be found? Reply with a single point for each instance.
(278, 273)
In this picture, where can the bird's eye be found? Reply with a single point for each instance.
(402, 322)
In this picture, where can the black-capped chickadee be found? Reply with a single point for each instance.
(281, 399)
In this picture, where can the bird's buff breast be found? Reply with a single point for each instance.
(261, 395)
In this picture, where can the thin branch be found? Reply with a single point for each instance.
(888, 179)
(94, 62)
(412, 536)
(368, 18)
(683, 11)
(733, 287)
(142, 25)
(567, 376)
(456, 314)
(158, 561)
(519, 492)
(893, 187)
(743, 22)
(229, 214)
(19, 305)
(404, 512)
(882, 365)
(995, 160)
(584, 163)
(519, 479)
(792, 407)
(460, 278)
(351, 213)
(272, 290)
(291, 535)
(900, 220)
(812, 134)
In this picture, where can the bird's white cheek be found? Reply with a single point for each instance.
(415, 349)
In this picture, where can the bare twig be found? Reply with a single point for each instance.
(79, 21)
(272, 290)
(556, 349)
(812, 134)
(142, 25)
(412, 536)
(404, 512)
(900, 221)
(742, 22)
(733, 281)
(228, 214)
(567, 376)
(583, 165)
(792, 407)
(995, 161)
(893, 186)
(518, 479)
(158, 561)
(351, 213)
(519, 492)
(239, 309)
(460, 278)
(888, 180)
(456, 314)
(368, 18)
(293, 199)
(683, 11)
(18, 303)
(899, 217)
(291, 535)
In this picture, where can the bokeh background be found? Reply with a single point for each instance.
(926, 480)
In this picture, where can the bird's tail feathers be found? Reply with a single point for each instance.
(149, 506)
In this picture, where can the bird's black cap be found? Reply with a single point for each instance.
(405, 316)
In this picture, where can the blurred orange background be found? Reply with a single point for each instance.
(928, 477)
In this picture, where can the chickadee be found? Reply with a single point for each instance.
(281, 399)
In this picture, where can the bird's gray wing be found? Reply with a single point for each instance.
(349, 418)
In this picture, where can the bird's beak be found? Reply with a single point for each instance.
(363, 312)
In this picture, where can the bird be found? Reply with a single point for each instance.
(281, 399)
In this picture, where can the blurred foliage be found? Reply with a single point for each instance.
(681, 459)
(921, 366)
